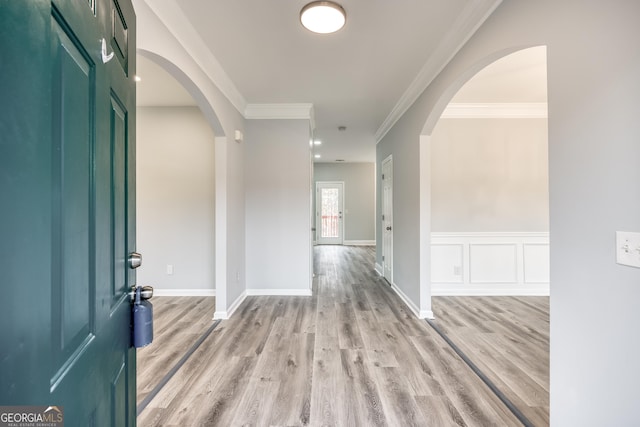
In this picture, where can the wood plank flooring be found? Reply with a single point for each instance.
(351, 355)
(178, 323)
(508, 339)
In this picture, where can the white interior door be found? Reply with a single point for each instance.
(387, 219)
(329, 209)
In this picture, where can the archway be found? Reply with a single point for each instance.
(483, 248)
(176, 140)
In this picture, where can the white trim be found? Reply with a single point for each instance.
(425, 227)
(184, 292)
(173, 18)
(359, 243)
(378, 269)
(420, 314)
(491, 234)
(531, 110)
(280, 292)
(469, 20)
(280, 111)
(223, 315)
(221, 224)
(491, 290)
(530, 274)
(427, 314)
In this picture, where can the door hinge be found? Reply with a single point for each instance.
(383, 257)
(382, 176)
(383, 217)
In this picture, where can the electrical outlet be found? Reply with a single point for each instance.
(628, 248)
(169, 269)
(457, 271)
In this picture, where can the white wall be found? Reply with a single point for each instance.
(277, 178)
(359, 197)
(489, 175)
(594, 179)
(175, 200)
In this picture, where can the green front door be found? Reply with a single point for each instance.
(67, 168)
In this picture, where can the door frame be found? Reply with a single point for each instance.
(340, 239)
(387, 220)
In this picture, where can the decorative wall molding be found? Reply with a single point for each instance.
(184, 292)
(279, 292)
(474, 15)
(490, 263)
(531, 110)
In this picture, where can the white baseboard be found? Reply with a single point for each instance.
(279, 292)
(184, 292)
(414, 309)
(224, 315)
(378, 269)
(237, 303)
(359, 242)
(427, 314)
(447, 290)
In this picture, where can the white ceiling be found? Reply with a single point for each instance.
(354, 78)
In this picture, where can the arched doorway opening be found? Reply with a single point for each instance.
(176, 191)
(484, 165)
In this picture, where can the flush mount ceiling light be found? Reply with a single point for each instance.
(323, 17)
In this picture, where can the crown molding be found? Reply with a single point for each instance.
(474, 15)
(280, 111)
(174, 19)
(531, 110)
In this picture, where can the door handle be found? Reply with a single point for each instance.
(135, 260)
(145, 293)
(389, 228)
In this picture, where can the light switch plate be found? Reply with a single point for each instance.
(628, 248)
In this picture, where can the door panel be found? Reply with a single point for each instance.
(72, 290)
(118, 132)
(66, 162)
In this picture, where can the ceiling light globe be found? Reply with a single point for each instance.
(323, 17)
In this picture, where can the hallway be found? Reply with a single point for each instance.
(350, 355)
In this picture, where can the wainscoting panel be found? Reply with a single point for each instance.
(446, 263)
(490, 263)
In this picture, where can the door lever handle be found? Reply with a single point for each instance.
(145, 293)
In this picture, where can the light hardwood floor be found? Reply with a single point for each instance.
(508, 339)
(178, 323)
(351, 355)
